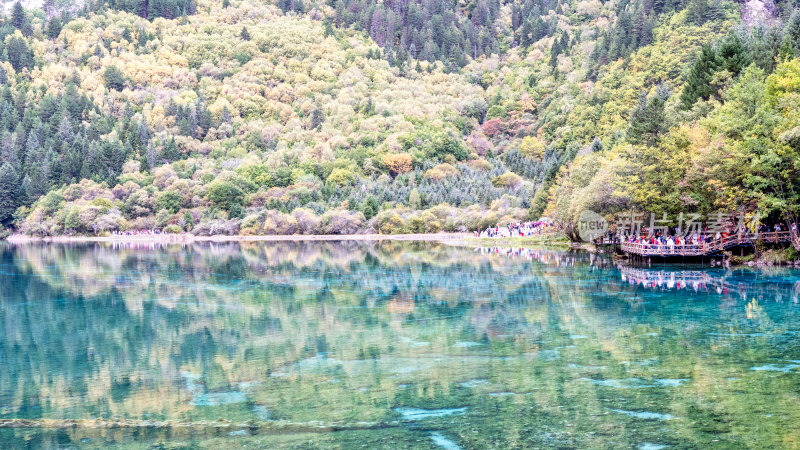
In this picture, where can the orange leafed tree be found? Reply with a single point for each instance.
(398, 163)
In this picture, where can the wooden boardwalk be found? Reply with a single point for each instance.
(710, 248)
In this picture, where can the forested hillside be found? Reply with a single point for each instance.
(296, 116)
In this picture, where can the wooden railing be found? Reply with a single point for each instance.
(708, 248)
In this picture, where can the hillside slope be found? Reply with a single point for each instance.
(287, 118)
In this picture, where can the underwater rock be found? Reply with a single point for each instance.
(638, 383)
(419, 414)
(650, 446)
(474, 383)
(443, 442)
(415, 344)
(201, 398)
(262, 412)
(785, 368)
(502, 394)
(546, 355)
(466, 344)
(219, 398)
(647, 415)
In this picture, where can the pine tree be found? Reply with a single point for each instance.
(763, 46)
(54, 28)
(414, 199)
(202, 117)
(37, 170)
(114, 78)
(733, 54)
(24, 192)
(597, 145)
(189, 220)
(371, 207)
(715, 11)
(73, 161)
(698, 86)
(9, 193)
(170, 151)
(143, 134)
(144, 163)
(226, 3)
(792, 30)
(555, 50)
(18, 18)
(317, 118)
(185, 128)
(244, 35)
(49, 8)
(19, 54)
(648, 120)
(236, 211)
(142, 38)
(698, 11)
(226, 116)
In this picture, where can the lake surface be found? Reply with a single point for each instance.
(388, 344)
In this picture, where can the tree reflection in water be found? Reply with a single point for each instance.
(396, 344)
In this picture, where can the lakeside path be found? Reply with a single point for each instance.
(188, 238)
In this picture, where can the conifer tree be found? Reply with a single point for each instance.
(733, 54)
(792, 31)
(698, 85)
(54, 28)
(114, 78)
(648, 120)
(170, 151)
(19, 54)
(9, 193)
(18, 18)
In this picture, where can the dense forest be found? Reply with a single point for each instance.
(298, 116)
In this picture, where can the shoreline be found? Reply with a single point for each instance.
(190, 238)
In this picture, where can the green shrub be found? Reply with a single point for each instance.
(52, 202)
(224, 195)
(388, 222)
(169, 200)
(341, 177)
(507, 180)
(173, 229)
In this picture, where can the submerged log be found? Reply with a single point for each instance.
(277, 426)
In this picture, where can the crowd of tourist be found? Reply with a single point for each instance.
(148, 237)
(669, 237)
(672, 238)
(148, 232)
(661, 240)
(514, 229)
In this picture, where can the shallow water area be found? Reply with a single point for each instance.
(389, 344)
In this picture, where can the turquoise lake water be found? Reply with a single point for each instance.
(390, 345)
